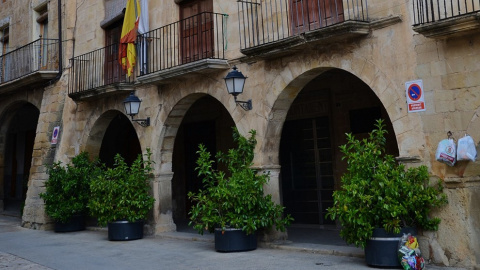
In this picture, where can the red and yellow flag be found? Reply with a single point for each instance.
(127, 52)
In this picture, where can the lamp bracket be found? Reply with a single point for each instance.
(246, 105)
(142, 122)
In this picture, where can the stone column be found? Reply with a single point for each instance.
(163, 215)
(43, 155)
(272, 188)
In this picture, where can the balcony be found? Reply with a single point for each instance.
(98, 73)
(272, 27)
(443, 19)
(190, 46)
(30, 65)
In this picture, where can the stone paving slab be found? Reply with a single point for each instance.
(22, 248)
(9, 261)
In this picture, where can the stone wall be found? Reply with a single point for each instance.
(383, 60)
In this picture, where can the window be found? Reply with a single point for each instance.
(307, 15)
(112, 24)
(4, 61)
(4, 36)
(196, 30)
(113, 71)
(42, 21)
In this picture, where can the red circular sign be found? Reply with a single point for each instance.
(414, 92)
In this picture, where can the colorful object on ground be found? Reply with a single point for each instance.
(409, 253)
(411, 242)
(127, 50)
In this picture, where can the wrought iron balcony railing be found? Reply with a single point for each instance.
(96, 69)
(39, 55)
(198, 37)
(266, 21)
(427, 11)
(189, 40)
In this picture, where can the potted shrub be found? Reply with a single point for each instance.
(67, 191)
(381, 198)
(233, 204)
(121, 199)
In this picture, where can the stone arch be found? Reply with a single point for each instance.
(25, 131)
(382, 86)
(162, 188)
(170, 128)
(178, 110)
(379, 85)
(96, 143)
(97, 130)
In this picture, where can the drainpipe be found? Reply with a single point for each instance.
(60, 46)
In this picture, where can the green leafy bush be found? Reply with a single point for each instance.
(379, 193)
(67, 189)
(236, 200)
(122, 192)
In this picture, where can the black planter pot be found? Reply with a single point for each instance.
(124, 230)
(232, 240)
(75, 223)
(382, 249)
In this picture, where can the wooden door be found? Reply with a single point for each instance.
(196, 30)
(113, 72)
(307, 169)
(308, 15)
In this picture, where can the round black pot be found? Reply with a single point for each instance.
(75, 223)
(232, 240)
(124, 230)
(382, 249)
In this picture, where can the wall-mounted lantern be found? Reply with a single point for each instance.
(235, 82)
(132, 106)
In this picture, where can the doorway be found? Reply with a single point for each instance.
(307, 163)
(113, 72)
(196, 34)
(18, 157)
(206, 122)
(334, 103)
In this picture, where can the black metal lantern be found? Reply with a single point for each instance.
(235, 81)
(132, 106)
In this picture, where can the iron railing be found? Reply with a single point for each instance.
(265, 21)
(198, 37)
(96, 69)
(39, 55)
(426, 11)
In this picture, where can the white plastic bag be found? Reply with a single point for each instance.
(466, 149)
(446, 152)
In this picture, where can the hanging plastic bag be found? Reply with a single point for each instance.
(466, 149)
(446, 152)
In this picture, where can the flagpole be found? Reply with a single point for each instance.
(136, 11)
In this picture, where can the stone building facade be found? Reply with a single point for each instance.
(314, 73)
